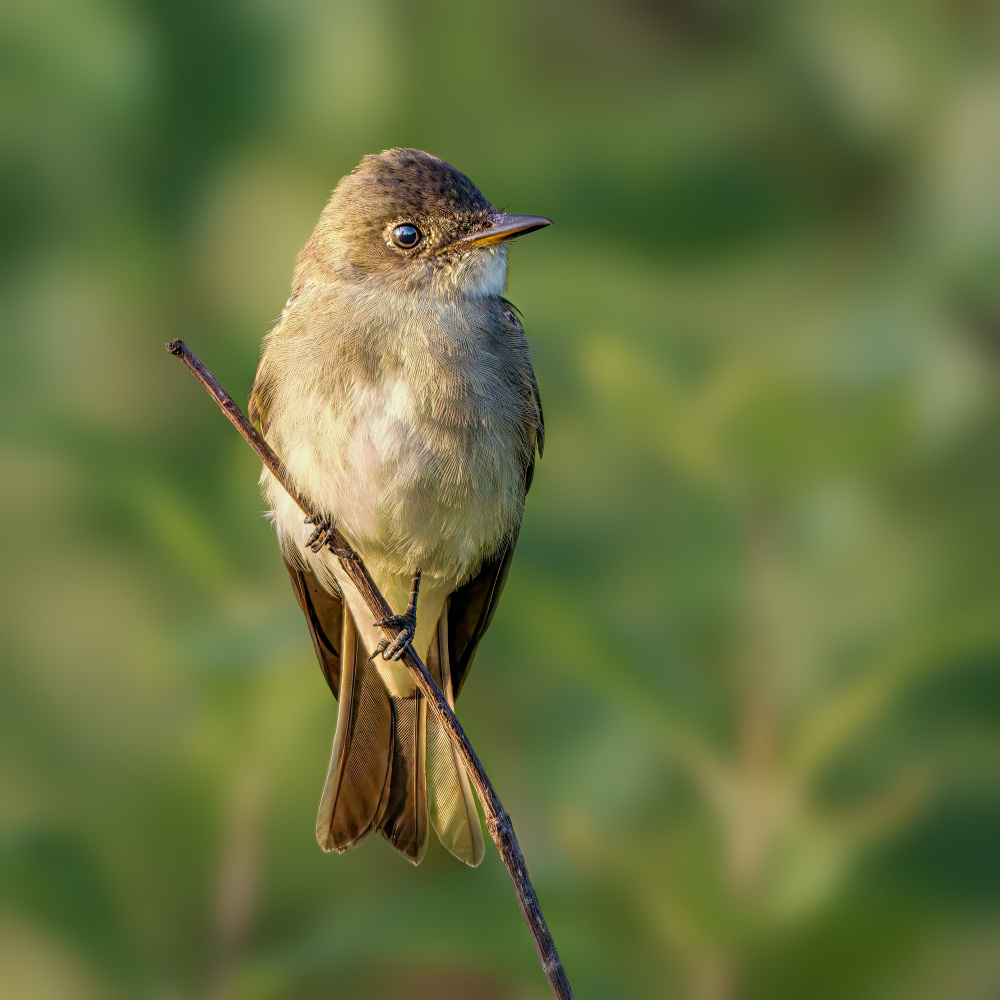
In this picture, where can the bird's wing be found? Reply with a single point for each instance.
(472, 606)
(324, 613)
(540, 418)
(511, 316)
(323, 610)
(471, 609)
(294, 313)
(529, 472)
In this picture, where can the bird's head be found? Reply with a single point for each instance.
(413, 221)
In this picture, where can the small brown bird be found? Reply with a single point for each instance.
(398, 390)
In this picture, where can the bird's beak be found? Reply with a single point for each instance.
(504, 227)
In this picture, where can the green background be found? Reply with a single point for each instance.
(741, 697)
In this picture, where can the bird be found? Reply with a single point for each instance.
(398, 390)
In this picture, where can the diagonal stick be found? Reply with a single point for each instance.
(497, 821)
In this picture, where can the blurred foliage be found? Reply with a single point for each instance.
(742, 696)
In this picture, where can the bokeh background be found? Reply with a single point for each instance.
(742, 696)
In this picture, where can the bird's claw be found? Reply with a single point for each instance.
(395, 649)
(323, 534)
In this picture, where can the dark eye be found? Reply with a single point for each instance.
(406, 237)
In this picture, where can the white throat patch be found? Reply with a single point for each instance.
(482, 274)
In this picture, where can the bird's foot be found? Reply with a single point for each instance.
(407, 622)
(323, 533)
(396, 649)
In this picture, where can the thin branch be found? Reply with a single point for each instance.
(497, 821)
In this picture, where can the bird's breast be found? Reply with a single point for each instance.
(422, 465)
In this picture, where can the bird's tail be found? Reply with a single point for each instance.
(392, 765)
(358, 784)
(452, 805)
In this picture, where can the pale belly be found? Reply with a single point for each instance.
(408, 490)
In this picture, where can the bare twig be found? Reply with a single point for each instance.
(497, 821)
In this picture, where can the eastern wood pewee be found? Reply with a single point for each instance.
(398, 390)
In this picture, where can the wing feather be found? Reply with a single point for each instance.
(472, 606)
(324, 614)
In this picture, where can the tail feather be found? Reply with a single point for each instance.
(392, 768)
(451, 804)
(358, 783)
(404, 823)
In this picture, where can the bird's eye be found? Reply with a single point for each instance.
(406, 237)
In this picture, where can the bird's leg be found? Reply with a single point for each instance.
(396, 649)
(323, 533)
